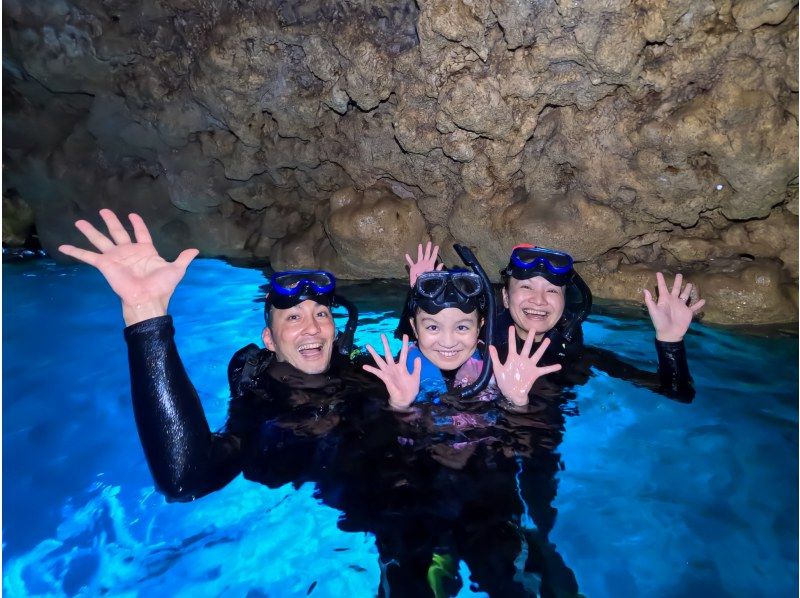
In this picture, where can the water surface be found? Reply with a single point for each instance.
(655, 498)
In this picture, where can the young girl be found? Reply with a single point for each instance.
(446, 312)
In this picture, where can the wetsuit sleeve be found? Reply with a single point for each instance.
(186, 460)
(672, 379)
(673, 371)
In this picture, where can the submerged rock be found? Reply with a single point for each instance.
(339, 134)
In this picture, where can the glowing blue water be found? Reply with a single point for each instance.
(656, 499)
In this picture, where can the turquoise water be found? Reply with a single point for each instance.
(656, 498)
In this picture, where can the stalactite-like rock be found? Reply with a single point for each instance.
(638, 136)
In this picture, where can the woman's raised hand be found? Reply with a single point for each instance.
(426, 262)
(402, 386)
(516, 377)
(672, 313)
(142, 279)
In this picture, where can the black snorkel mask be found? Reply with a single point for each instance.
(557, 268)
(464, 290)
(290, 288)
(435, 291)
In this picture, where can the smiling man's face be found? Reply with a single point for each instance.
(535, 305)
(302, 335)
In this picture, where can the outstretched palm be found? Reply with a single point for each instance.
(141, 278)
(671, 314)
(516, 376)
(401, 385)
(426, 262)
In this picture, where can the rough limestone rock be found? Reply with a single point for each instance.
(18, 221)
(736, 293)
(371, 231)
(637, 136)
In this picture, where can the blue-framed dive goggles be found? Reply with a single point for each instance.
(292, 287)
(527, 261)
(287, 289)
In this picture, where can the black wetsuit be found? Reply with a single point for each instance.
(671, 380)
(549, 398)
(279, 418)
(419, 486)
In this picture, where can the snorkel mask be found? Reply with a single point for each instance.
(464, 290)
(557, 268)
(290, 288)
(528, 261)
(435, 291)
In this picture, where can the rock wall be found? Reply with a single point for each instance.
(635, 135)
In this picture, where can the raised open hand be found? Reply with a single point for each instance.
(142, 279)
(403, 386)
(426, 262)
(515, 378)
(671, 314)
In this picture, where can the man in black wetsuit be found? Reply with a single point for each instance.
(285, 399)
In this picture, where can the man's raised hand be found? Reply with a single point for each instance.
(143, 280)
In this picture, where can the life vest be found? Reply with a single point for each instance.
(431, 380)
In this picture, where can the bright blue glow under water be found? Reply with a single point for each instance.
(657, 498)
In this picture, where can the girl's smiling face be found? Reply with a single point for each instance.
(448, 338)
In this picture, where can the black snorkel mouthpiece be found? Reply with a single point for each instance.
(469, 259)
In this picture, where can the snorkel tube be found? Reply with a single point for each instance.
(344, 341)
(469, 259)
(586, 305)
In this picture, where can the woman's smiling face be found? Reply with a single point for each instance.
(535, 305)
(448, 338)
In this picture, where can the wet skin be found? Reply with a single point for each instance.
(302, 336)
(449, 338)
(535, 305)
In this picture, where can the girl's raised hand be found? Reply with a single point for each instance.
(402, 386)
(426, 262)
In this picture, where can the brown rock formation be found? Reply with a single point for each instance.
(638, 136)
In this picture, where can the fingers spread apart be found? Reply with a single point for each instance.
(140, 229)
(94, 236)
(697, 306)
(87, 257)
(676, 285)
(115, 228)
